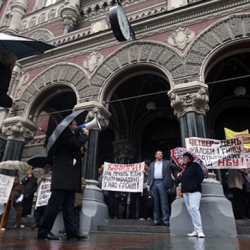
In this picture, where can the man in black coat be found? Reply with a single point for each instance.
(159, 180)
(7, 63)
(66, 181)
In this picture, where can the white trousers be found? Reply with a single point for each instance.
(192, 201)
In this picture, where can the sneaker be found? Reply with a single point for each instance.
(22, 226)
(149, 218)
(3, 229)
(201, 235)
(142, 218)
(193, 234)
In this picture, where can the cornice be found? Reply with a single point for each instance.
(82, 41)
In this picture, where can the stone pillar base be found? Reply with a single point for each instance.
(216, 213)
(94, 210)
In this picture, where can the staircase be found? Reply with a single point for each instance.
(132, 226)
(145, 227)
(243, 227)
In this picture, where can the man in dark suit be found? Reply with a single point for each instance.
(66, 181)
(159, 180)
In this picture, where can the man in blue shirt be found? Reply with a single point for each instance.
(159, 180)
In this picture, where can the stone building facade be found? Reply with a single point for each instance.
(181, 77)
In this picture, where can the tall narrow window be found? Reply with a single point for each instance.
(49, 2)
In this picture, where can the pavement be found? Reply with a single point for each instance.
(25, 239)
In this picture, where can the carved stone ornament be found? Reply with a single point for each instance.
(190, 102)
(17, 132)
(69, 23)
(95, 112)
(124, 148)
(93, 60)
(181, 37)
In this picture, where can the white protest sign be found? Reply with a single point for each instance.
(44, 193)
(123, 177)
(6, 184)
(219, 154)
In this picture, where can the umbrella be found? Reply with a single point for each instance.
(11, 167)
(38, 160)
(177, 156)
(23, 46)
(78, 115)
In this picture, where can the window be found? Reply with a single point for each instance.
(49, 2)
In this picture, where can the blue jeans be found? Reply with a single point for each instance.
(192, 201)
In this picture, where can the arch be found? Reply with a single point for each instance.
(157, 55)
(41, 35)
(60, 74)
(219, 35)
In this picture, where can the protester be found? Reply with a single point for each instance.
(30, 186)
(105, 192)
(159, 180)
(15, 200)
(7, 63)
(114, 204)
(191, 178)
(66, 181)
(235, 185)
(39, 211)
(145, 211)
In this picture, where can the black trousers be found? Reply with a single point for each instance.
(60, 199)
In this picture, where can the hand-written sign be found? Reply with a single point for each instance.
(6, 184)
(123, 177)
(44, 193)
(219, 154)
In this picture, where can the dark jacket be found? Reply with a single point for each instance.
(192, 178)
(66, 166)
(166, 167)
(30, 187)
(5, 77)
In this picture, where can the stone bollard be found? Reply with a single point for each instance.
(216, 212)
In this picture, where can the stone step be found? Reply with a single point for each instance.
(132, 226)
(145, 227)
(243, 227)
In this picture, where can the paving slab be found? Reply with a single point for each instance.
(25, 239)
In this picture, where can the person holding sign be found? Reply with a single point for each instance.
(159, 180)
(45, 179)
(15, 200)
(191, 178)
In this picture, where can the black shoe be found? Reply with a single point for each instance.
(156, 224)
(166, 224)
(48, 236)
(77, 237)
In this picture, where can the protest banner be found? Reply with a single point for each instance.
(6, 184)
(123, 177)
(219, 154)
(44, 193)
